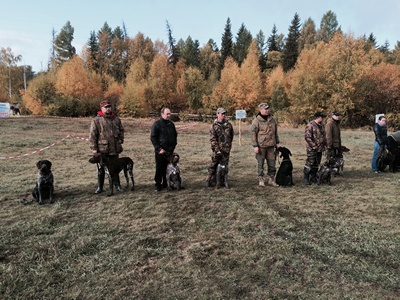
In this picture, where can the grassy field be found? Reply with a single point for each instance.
(247, 242)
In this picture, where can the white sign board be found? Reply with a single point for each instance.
(240, 114)
(377, 117)
(4, 110)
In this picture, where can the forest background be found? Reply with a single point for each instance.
(312, 68)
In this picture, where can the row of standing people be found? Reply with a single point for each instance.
(107, 136)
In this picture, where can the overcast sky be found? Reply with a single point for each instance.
(26, 26)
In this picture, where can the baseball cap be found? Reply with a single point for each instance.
(105, 103)
(263, 105)
(319, 114)
(221, 110)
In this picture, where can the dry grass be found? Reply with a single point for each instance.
(317, 242)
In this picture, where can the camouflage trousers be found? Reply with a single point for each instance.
(269, 155)
(313, 159)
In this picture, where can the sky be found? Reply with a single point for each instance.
(26, 26)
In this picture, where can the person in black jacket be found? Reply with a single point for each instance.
(164, 139)
(380, 142)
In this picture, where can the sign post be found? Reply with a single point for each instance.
(240, 114)
(4, 110)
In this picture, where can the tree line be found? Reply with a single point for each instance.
(310, 69)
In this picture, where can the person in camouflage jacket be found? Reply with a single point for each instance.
(106, 137)
(221, 137)
(264, 139)
(316, 143)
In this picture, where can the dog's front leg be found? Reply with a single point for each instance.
(40, 194)
(51, 194)
(110, 181)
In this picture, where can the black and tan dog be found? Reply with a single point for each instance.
(45, 182)
(284, 177)
(174, 179)
(114, 167)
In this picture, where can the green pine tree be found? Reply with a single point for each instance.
(226, 44)
(243, 41)
(63, 44)
(291, 49)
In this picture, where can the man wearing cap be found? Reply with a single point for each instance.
(333, 137)
(316, 143)
(106, 137)
(264, 138)
(221, 137)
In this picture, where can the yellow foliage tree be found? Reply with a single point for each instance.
(222, 93)
(74, 80)
(323, 76)
(248, 91)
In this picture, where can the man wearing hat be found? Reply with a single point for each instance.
(333, 138)
(221, 137)
(316, 143)
(106, 137)
(264, 138)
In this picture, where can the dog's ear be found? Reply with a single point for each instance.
(48, 164)
(38, 164)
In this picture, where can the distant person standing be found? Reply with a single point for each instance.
(221, 137)
(163, 136)
(106, 137)
(316, 143)
(380, 131)
(333, 136)
(264, 138)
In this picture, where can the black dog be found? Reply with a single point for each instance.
(174, 179)
(114, 167)
(284, 176)
(324, 173)
(45, 182)
(221, 174)
(15, 110)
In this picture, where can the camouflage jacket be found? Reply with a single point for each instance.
(333, 139)
(221, 136)
(106, 134)
(264, 133)
(315, 137)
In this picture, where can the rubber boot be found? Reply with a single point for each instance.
(261, 181)
(306, 176)
(100, 181)
(313, 175)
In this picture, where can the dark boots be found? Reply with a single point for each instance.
(307, 176)
(100, 180)
(313, 175)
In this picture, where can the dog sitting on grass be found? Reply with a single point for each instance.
(113, 168)
(221, 174)
(174, 179)
(324, 173)
(284, 177)
(45, 182)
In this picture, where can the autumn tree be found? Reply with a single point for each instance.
(240, 47)
(323, 77)
(222, 92)
(291, 50)
(162, 83)
(119, 54)
(41, 93)
(63, 44)
(376, 91)
(191, 85)
(79, 87)
(275, 90)
(248, 90)
(136, 94)
(141, 47)
(9, 60)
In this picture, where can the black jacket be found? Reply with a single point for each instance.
(163, 135)
(380, 134)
